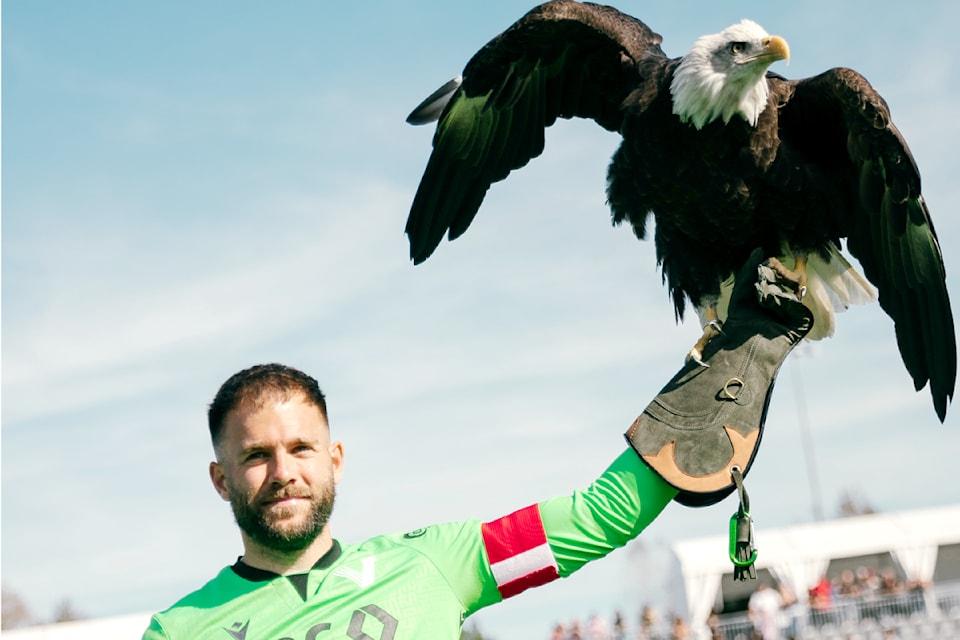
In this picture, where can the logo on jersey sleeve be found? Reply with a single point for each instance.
(238, 631)
(364, 577)
(518, 552)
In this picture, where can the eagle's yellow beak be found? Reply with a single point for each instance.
(777, 48)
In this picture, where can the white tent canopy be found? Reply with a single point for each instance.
(799, 555)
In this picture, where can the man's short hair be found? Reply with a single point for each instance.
(253, 384)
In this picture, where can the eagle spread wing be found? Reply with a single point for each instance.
(839, 116)
(562, 59)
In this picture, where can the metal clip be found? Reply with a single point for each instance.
(742, 553)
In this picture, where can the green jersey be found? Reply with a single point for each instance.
(424, 583)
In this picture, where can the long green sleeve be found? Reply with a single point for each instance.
(613, 510)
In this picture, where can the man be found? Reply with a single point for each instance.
(764, 610)
(278, 467)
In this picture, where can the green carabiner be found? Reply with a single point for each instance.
(734, 537)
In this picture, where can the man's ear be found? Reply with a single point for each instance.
(219, 480)
(336, 460)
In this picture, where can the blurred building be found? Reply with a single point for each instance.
(858, 574)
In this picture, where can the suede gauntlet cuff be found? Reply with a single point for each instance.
(708, 420)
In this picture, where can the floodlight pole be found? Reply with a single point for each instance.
(807, 441)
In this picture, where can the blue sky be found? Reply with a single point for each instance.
(191, 188)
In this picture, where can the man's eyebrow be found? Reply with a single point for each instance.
(260, 446)
(310, 441)
(253, 446)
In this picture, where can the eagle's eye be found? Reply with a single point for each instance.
(737, 47)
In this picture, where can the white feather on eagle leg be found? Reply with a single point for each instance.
(833, 286)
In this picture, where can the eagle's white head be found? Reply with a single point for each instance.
(724, 74)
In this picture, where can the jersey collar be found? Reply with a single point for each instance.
(254, 574)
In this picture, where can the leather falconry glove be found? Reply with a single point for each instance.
(702, 432)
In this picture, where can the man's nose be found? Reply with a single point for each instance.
(282, 469)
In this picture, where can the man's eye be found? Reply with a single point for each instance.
(256, 455)
(737, 47)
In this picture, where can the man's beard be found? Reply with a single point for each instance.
(254, 523)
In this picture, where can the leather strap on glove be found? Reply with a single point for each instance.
(709, 420)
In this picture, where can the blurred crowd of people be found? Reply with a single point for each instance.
(650, 626)
(769, 608)
(864, 583)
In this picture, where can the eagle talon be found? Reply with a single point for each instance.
(712, 328)
(798, 275)
(697, 357)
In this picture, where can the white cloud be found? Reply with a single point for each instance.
(80, 344)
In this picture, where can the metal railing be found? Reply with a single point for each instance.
(947, 598)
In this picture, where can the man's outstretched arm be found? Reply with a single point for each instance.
(485, 563)
(613, 510)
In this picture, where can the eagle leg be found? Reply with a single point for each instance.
(798, 274)
(713, 328)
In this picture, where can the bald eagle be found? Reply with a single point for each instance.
(726, 155)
